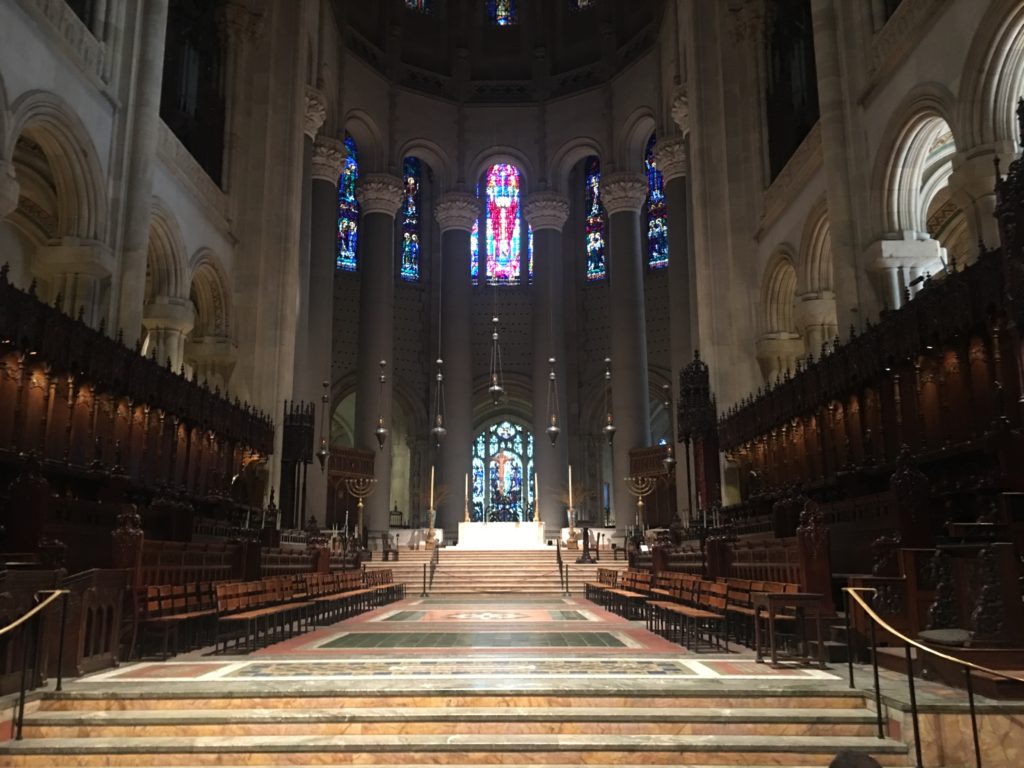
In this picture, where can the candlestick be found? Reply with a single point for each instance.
(465, 507)
(431, 487)
(536, 498)
(346, 522)
(570, 486)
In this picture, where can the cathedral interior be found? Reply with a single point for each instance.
(512, 382)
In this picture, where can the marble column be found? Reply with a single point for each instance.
(547, 212)
(624, 194)
(455, 213)
(379, 196)
(328, 158)
(672, 158)
(168, 321)
(144, 115)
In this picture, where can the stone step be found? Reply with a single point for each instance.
(835, 652)
(445, 720)
(568, 749)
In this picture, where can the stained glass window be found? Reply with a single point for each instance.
(503, 474)
(474, 251)
(502, 225)
(423, 6)
(529, 250)
(504, 13)
(594, 226)
(410, 268)
(582, 5)
(348, 208)
(657, 217)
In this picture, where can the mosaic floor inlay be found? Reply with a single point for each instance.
(496, 640)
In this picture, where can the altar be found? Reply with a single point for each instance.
(499, 536)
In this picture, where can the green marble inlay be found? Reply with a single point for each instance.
(476, 640)
(406, 616)
(567, 616)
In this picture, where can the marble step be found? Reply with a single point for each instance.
(444, 720)
(465, 749)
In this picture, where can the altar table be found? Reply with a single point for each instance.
(499, 536)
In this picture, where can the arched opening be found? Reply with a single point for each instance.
(780, 344)
(209, 348)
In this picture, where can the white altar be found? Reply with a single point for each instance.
(497, 536)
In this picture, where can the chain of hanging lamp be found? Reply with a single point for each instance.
(669, 461)
(553, 429)
(322, 454)
(438, 431)
(609, 425)
(381, 432)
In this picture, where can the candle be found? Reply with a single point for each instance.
(467, 488)
(536, 496)
(570, 486)
(431, 487)
(346, 522)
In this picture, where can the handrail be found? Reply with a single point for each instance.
(946, 657)
(54, 594)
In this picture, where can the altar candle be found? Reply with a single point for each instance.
(431, 487)
(467, 488)
(570, 486)
(536, 490)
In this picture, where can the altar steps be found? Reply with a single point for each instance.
(468, 572)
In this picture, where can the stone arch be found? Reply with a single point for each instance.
(993, 79)
(4, 119)
(565, 158)
(778, 293)
(503, 154)
(369, 141)
(915, 158)
(815, 273)
(166, 262)
(636, 132)
(208, 290)
(78, 177)
(433, 155)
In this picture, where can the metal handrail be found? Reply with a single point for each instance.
(856, 594)
(54, 594)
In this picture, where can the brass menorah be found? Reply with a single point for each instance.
(361, 488)
(640, 486)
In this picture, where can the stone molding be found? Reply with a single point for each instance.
(900, 35)
(75, 257)
(671, 158)
(379, 193)
(792, 180)
(316, 111)
(181, 163)
(681, 110)
(241, 24)
(10, 190)
(746, 22)
(547, 210)
(169, 313)
(73, 32)
(328, 159)
(457, 210)
(623, 191)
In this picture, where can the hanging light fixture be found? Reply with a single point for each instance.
(438, 431)
(669, 461)
(609, 427)
(553, 429)
(496, 391)
(381, 432)
(322, 454)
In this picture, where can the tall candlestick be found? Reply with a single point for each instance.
(536, 497)
(570, 485)
(431, 487)
(467, 488)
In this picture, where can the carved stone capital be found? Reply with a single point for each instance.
(681, 110)
(547, 210)
(169, 313)
(671, 159)
(623, 191)
(747, 22)
(316, 111)
(379, 193)
(9, 190)
(328, 159)
(240, 24)
(457, 210)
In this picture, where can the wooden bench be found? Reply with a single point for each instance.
(170, 610)
(629, 598)
(271, 607)
(596, 591)
(335, 596)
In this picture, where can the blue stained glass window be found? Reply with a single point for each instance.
(657, 216)
(529, 248)
(594, 226)
(501, 229)
(504, 13)
(503, 474)
(410, 268)
(348, 208)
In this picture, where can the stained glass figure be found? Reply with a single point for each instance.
(594, 226)
(582, 5)
(410, 268)
(529, 249)
(474, 251)
(423, 6)
(348, 208)
(504, 13)
(503, 474)
(503, 225)
(657, 216)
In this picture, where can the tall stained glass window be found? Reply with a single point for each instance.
(504, 13)
(529, 250)
(657, 217)
(503, 474)
(474, 251)
(348, 208)
(502, 225)
(410, 269)
(594, 226)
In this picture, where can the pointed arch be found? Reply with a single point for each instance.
(815, 273)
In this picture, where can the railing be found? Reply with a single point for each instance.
(435, 558)
(31, 622)
(563, 575)
(856, 594)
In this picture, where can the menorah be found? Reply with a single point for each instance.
(361, 488)
(640, 486)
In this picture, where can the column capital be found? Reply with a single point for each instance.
(167, 312)
(75, 257)
(379, 193)
(457, 210)
(328, 159)
(681, 110)
(215, 350)
(623, 191)
(9, 190)
(671, 159)
(547, 210)
(316, 111)
(240, 24)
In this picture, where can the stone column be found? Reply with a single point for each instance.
(624, 194)
(672, 158)
(379, 196)
(212, 359)
(143, 110)
(816, 318)
(168, 320)
(328, 157)
(455, 213)
(76, 271)
(973, 184)
(886, 258)
(547, 212)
